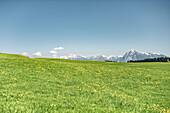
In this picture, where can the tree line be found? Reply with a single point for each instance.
(161, 59)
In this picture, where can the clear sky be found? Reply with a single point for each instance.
(84, 27)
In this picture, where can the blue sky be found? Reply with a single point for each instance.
(84, 27)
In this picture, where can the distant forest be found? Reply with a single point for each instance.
(161, 59)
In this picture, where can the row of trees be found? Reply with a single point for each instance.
(110, 61)
(161, 59)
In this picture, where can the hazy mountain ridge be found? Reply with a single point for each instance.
(130, 55)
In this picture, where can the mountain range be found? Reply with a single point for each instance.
(130, 55)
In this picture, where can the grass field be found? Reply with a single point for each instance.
(53, 85)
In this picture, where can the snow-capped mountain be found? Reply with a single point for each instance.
(130, 55)
(74, 57)
(112, 58)
(134, 55)
(97, 58)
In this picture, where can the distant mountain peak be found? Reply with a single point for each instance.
(98, 56)
(132, 50)
(130, 55)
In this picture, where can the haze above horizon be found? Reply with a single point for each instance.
(86, 28)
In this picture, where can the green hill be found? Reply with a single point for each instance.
(55, 85)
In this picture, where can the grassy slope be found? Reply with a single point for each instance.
(49, 85)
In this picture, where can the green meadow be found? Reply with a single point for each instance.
(44, 85)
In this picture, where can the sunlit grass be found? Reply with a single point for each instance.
(53, 85)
